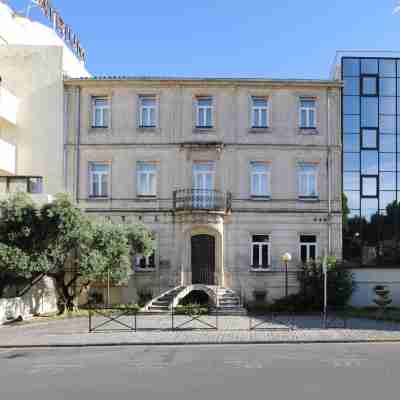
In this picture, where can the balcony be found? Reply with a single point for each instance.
(8, 106)
(32, 185)
(201, 200)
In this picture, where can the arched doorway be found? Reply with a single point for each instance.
(203, 259)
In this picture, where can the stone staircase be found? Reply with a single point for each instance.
(163, 302)
(225, 301)
(228, 302)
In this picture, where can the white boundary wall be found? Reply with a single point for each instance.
(39, 300)
(367, 278)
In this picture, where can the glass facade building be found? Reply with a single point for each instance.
(371, 160)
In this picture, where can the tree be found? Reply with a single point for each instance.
(59, 241)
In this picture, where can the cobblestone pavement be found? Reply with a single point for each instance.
(156, 329)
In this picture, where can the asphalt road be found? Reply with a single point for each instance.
(326, 371)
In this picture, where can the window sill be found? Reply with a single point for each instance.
(308, 131)
(144, 270)
(98, 198)
(308, 198)
(99, 129)
(148, 129)
(147, 196)
(260, 198)
(204, 129)
(256, 130)
(260, 269)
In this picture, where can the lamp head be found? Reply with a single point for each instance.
(286, 257)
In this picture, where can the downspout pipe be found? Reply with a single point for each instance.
(78, 142)
(329, 170)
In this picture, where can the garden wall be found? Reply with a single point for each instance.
(367, 278)
(40, 299)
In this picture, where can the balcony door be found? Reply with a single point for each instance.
(203, 185)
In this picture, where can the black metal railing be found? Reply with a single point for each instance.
(26, 184)
(201, 199)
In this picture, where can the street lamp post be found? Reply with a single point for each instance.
(286, 258)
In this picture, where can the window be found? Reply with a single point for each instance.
(99, 179)
(148, 111)
(259, 112)
(146, 179)
(101, 112)
(260, 252)
(260, 179)
(204, 112)
(308, 248)
(143, 263)
(307, 180)
(369, 85)
(369, 185)
(308, 113)
(369, 139)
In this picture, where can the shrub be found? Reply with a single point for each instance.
(191, 309)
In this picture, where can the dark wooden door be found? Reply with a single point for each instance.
(203, 259)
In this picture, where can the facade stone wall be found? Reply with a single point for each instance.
(175, 144)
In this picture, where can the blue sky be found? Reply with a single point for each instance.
(265, 38)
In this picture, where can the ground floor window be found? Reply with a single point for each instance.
(142, 263)
(308, 248)
(260, 252)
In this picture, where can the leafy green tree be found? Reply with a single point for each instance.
(59, 241)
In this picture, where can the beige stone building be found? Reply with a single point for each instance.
(229, 174)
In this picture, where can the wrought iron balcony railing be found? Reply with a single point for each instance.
(26, 184)
(201, 199)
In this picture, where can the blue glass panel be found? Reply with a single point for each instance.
(351, 67)
(369, 207)
(387, 87)
(386, 198)
(369, 186)
(387, 181)
(387, 162)
(351, 181)
(369, 111)
(369, 139)
(351, 105)
(387, 68)
(351, 162)
(369, 162)
(369, 66)
(353, 199)
(369, 85)
(351, 86)
(387, 105)
(387, 124)
(387, 143)
(351, 143)
(351, 124)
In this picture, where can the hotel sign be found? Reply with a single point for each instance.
(62, 28)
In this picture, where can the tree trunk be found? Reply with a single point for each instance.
(65, 301)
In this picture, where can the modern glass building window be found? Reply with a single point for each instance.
(371, 163)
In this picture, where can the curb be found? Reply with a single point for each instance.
(254, 342)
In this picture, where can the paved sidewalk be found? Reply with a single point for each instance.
(74, 332)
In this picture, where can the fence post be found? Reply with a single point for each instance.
(172, 316)
(90, 319)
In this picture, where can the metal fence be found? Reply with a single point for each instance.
(125, 319)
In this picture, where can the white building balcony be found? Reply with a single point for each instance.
(32, 185)
(8, 106)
